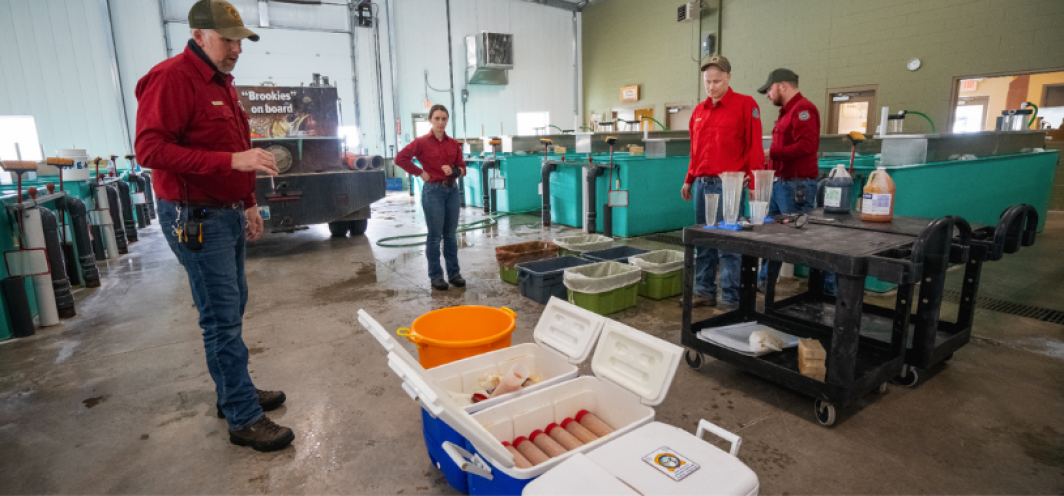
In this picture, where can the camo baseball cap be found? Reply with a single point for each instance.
(220, 16)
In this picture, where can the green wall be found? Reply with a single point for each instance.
(829, 43)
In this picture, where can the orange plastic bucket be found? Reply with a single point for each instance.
(448, 334)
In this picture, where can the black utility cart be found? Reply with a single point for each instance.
(867, 344)
(856, 364)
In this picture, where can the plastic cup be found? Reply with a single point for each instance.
(763, 185)
(733, 189)
(758, 212)
(712, 200)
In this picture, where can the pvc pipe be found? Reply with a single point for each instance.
(883, 121)
(64, 299)
(545, 181)
(18, 306)
(42, 284)
(128, 222)
(116, 220)
(79, 224)
(149, 194)
(110, 241)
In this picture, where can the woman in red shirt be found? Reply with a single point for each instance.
(441, 166)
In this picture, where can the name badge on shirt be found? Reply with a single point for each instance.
(218, 103)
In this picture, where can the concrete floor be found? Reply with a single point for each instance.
(118, 399)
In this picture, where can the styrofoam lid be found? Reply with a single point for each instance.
(438, 402)
(569, 329)
(637, 361)
(390, 344)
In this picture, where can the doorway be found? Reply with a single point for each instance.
(645, 124)
(970, 114)
(421, 125)
(678, 117)
(852, 109)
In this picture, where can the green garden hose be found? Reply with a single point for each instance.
(1033, 116)
(663, 128)
(558, 128)
(929, 121)
(470, 226)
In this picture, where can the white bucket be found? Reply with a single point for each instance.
(80, 170)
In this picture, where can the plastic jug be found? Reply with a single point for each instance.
(877, 203)
(835, 190)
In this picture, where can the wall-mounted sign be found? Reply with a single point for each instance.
(630, 93)
(969, 84)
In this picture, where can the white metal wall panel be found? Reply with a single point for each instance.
(177, 10)
(56, 66)
(139, 46)
(325, 17)
(541, 80)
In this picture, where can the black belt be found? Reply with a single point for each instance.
(214, 205)
(446, 182)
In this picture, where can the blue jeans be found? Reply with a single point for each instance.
(220, 291)
(441, 204)
(783, 202)
(706, 258)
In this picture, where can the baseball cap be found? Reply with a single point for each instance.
(719, 61)
(220, 16)
(778, 76)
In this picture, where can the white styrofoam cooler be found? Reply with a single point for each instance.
(628, 467)
(633, 371)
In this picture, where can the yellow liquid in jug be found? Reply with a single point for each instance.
(877, 202)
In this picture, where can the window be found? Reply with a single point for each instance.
(532, 123)
(350, 136)
(21, 129)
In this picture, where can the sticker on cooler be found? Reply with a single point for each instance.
(832, 197)
(876, 204)
(667, 461)
(264, 212)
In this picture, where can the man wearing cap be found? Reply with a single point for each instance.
(725, 137)
(793, 155)
(193, 133)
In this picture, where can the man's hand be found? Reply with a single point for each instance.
(447, 170)
(425, 176)
(254, 223)
(255, 160)
(686, 192)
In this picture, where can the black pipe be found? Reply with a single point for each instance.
(149, 195)
(591, 175)
(70, 258)
(116, 219)
(545, 178)
(141, 209)
(127, 211)
(64, 298)
(98, 249)
(84, 245)
(607, 219)
(485, 173)
(18, 306)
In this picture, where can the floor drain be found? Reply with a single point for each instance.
(1002, 306)
(671, 239)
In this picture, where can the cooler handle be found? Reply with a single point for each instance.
(705, 425)
(467, 461)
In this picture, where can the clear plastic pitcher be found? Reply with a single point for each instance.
(733, 190)
(763, 185)
(712, 200)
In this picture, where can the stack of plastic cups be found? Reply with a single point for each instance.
(733, 191)
(762, 196)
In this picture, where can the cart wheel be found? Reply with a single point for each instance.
(825, 413)
(908, 377)
(882, 389)
(693, 358)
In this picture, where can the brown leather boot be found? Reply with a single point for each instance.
(268, 400)
(263, 435)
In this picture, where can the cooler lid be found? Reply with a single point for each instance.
(568, 329)
(637, 361)
(390, 344)
(438, 402)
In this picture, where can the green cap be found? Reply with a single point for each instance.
(220, 16)
(778, 76)
(718, 61)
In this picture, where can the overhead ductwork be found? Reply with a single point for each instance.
(488, 57)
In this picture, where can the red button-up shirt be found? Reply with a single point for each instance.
(795, 140)
(189, 124)
(725, 137)
(432, 154)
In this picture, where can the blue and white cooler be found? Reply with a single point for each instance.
(633, 372)
(564, 335)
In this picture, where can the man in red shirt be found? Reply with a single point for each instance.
(442, 164)
(725, 137)
(793, 155)
(193, 134)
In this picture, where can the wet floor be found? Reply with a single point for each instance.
(118, 399)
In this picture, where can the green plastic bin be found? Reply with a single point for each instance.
(608, 302)
(661, 286)
(508, 275)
